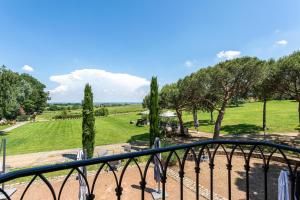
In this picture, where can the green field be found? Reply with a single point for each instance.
(282, 116)
(48, 115)
(2, 127)
(65, 134)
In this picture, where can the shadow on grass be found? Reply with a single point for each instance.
(140, 137)
(298, 128)
(241, 128)
(190, 124)
(70, 156)
(3, 133)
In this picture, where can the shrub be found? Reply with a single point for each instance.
(22, 118)
(66, 115)
(88, 121)
(101, 112)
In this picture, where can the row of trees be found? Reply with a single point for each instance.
(19, 93)
(215, 87)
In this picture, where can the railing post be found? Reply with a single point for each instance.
(197, 171)
(229, 168)
(143, 186)
(293, 181)
(119, 190)
(181, 175)
(266, 169)
(211, 166)
(247, 168)
(163, 182)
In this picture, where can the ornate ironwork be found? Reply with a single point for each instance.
(194, 151)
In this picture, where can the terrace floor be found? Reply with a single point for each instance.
(105, 187)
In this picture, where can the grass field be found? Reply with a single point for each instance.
(282, 116)
(48, 115)
(2, 127)
(66, 134)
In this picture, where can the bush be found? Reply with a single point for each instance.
(101, 112)
(67, 115)
(22, 118)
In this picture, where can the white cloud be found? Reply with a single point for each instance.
(282, 42)
(106, 86)
(228, 54)
(190, 63)
(27, 68)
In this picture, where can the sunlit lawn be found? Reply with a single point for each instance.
(2, 127)
(65, 134)
(48, 115)
(282, 116)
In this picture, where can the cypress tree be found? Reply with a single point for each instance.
(153, 111)
(88, 121)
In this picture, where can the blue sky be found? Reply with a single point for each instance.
(68, 43)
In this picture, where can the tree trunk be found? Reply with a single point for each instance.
(195, 117)
(179, 115)
(212, 116)
(264, 126)
(219, 120)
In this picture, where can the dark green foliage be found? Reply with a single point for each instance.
(287, 77)
(18, 91)
(23, 118)
(37, 95)
(9, 87)
(88, 122)
(146, 101)
(62, 106)
(233, 78)
(153, 111)
(65, 114)
(173, 97)
(101, 112)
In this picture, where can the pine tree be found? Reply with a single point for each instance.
(153, 111)
(88, 121)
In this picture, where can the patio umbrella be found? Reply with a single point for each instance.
(146, 112)
(83, 191)
(283, 186)
(157, 167)
(168, 114)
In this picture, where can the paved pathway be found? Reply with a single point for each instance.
(59, 156)
(18, 124)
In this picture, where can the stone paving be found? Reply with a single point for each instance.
(190, 184)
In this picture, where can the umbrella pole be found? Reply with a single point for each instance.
(158, 187)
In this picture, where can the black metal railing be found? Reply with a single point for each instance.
(193, 151)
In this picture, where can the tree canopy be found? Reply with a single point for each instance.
(20, 91)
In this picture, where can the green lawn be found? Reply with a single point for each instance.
(48, 115)
(2, 127)
(282, 116)
(125, 108)
(65, 134)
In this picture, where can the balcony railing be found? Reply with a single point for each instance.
(192, 152)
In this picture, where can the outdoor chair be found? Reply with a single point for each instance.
(204, 158)
(115, 165)
(102, 152)
(127, 148)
